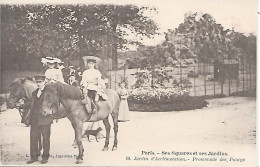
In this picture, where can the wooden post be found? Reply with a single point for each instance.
(6, 100)
(194, 83)
(250, 86)
(228, 77)
(205, 87)
(238, 77)
(214, 86)
(247, 77)
(243, 75)
(152, 80)
(222, 80)
(115, 79)
(109, 62)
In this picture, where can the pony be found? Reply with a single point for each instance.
(69, 96)
(21, 89)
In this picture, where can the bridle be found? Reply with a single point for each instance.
(54, 103)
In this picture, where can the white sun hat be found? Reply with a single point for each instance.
(57, 60)
(91, 58)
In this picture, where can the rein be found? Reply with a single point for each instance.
(57, 107)
(57, 116)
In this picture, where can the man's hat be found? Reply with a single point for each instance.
(91, 59)
(39, 78)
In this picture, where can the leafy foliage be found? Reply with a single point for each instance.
(201, 35)
(69, 31)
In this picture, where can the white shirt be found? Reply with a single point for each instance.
(91, 78)
(54, 74)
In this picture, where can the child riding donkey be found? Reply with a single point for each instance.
(92, 83)
(53, 72)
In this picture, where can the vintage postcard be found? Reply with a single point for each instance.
(128, 83)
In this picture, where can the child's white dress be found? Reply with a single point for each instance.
(54, 74)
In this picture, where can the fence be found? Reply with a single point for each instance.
(205, 81)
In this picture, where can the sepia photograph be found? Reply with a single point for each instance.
(128, 83)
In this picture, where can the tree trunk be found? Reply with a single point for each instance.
(114, 48)
(114, 56)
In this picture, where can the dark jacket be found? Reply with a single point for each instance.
(36, 116)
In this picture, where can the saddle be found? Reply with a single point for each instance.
(93, 105)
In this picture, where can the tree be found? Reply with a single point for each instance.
(12, 42)
(209, 40)
(71, 30)
(246, 46)
(116, 21)
(26, 37)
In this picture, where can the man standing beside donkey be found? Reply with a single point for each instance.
(40, 125)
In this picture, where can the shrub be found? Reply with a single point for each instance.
(180, 103)
(155, 96)
(161, 100)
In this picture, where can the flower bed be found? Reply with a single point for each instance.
(158, 95)
(160, 99)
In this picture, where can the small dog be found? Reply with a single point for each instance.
(93, 133)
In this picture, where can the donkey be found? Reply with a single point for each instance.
(69, 96)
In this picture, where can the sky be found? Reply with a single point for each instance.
(240, 14)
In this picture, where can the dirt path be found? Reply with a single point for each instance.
(227, 127)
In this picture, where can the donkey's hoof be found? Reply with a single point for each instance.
(105, 149)
(114, 148)
(79, 161)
